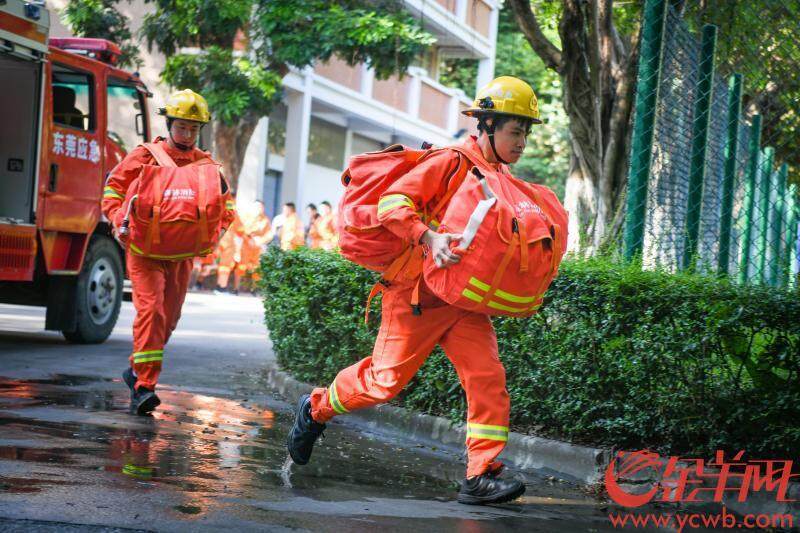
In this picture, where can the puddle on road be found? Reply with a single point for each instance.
(203, 458)
(204, 447)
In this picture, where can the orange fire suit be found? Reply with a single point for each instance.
(326, 229)
(230, 254)
(405, 340)
(292, 233)
(259, 233)
(314, 238)
(159, 286)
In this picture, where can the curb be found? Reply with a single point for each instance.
(571, 462)
(534, 455)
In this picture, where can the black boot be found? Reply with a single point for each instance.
(130, 380)
(304, 433)
(144, 401)
(488, 488)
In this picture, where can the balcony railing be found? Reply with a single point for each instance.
(340, 72)
(415, 94)
(478, 16)
(474, 14)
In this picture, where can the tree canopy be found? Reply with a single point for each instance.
(101, 20)
(546, 157)
(236, 52)
(247, 46)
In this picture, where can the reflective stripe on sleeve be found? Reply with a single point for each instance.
(393, 201)
(110, 192)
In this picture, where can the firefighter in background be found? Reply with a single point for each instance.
(230, 252)
(506, 110)
(258, 226)
(259, 233)
(326, 227)
(313, 238)
(202, 269)
(291, 232)
(159, 286)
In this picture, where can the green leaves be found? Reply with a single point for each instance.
(243, 48)
(546, 158)
(617, 356)
(298, 33)
(100, 19)
(195, 23)
(232, 85)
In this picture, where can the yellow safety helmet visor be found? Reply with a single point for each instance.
(186, 105)
(506, 95)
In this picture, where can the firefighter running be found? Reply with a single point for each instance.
(505, 109)
(160, 282)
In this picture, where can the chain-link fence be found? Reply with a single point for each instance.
(714, 158)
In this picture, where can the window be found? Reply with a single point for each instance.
(73, 102)
(363, 144)
(428, 60)
(125, 117)
(326, 144)
(276, 132)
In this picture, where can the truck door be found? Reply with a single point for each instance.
(127, 122)
(73, 182)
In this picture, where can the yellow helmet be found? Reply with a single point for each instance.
(186, 105)
(506, 95)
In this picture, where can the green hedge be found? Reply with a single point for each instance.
(617, 356)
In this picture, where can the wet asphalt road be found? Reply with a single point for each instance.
(213, 455)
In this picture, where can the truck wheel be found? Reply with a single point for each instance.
(98, 294)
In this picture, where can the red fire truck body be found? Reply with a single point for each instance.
(67, 117)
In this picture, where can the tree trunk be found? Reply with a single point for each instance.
(597, 68)
(230, 145)
(579, 201)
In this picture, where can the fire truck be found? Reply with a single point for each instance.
(68, 115)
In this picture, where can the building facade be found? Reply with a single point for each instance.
(332, 111)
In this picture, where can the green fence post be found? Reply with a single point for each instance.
(731, 153)
(763, 215)
(697, 169)
(750, 198)
(776, 225)
(647, 84)
(791, 236)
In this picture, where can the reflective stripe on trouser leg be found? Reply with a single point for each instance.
(148, 283)
(177, 285)
(333, 397)
(148, 356)
(147, 367)
(471, 345)
(159, 288)
(486, 431)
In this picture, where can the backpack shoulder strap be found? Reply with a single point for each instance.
(459, 173)
(205, 161)
(160, 155)
(473, 158)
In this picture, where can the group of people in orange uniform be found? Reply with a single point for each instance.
(250, 233)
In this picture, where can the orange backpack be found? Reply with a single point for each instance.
(174, 212)
(514, 235)
(362, 238)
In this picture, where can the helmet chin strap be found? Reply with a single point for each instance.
(490, 133)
